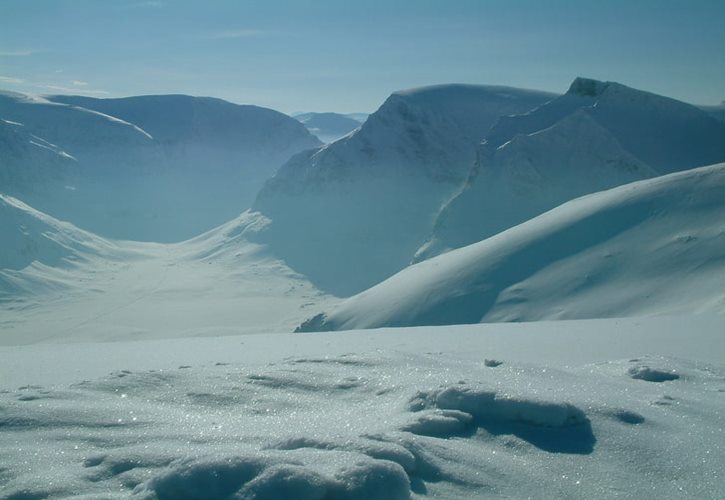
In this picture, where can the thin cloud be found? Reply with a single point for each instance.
(10, 79)
(72, 90)
(18, 53)
(79, 83)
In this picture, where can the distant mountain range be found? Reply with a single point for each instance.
(159, 168)
(329, 127)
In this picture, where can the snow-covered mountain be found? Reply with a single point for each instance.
(596, 136)
(717, 112)
(329, 127)
(651, 247)
(353, 212)
(159, 168)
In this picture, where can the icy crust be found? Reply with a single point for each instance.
(650, 247)
(389, 426)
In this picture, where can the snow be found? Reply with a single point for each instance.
(395, 413)
(158, 370)
(596, 136)
(650, 247)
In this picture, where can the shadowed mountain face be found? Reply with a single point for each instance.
(596, 136)
(158, 168)
(354, 211)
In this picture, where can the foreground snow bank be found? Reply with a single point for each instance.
(430, 415)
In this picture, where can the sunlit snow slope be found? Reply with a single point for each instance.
(651, 247)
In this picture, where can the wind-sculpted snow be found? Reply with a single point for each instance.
(154, 168)
(597, 136)
(366, 425)
(651, 247)
(344, 202)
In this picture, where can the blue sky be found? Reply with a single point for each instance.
(348, 56)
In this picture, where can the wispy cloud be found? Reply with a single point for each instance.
(79, 83)
(10, 79)
(18, 53)
(239, 33)
(72, 90)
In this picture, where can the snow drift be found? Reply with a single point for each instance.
(651, 247)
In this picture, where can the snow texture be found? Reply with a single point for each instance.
(344, 419)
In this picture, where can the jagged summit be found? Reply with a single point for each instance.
(587, 87)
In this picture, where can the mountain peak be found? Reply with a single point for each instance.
(587, 87)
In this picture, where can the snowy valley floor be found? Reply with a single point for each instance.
(598, 408)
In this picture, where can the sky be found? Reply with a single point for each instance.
(349, 56)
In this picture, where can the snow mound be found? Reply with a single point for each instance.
(341, 203)
(596, 136)
(650, 247)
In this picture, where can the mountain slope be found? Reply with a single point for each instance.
(59, 283)
(159, 168)
(596, 136)
(651, 247)
(353, 212)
